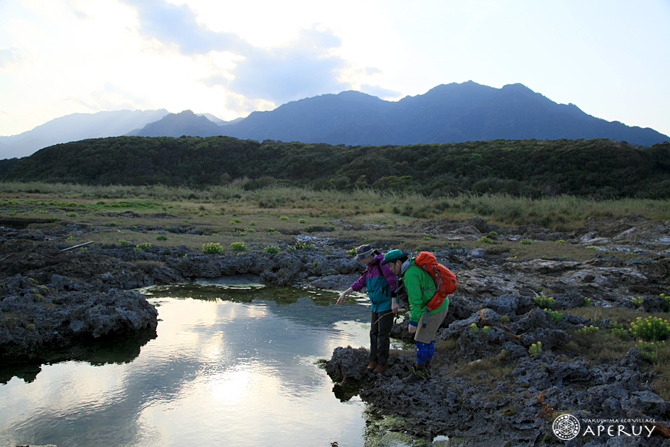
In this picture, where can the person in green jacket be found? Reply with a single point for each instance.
(423, 323)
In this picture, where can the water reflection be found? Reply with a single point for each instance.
(95, 352)
(231, 367)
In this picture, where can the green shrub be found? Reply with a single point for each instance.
(649, 350)
(249, 230)
(238, 246)
(620, 331)
(650, 329)
(390, 227)
(212, 248)
(111, 224)
(302, 221)
(161, 237)
(526, 241)
(545, 302)
(485, 240)
(124, 242)
(300, 246)
(144, 245)
(235, 221)
(71, 214)
(493, 234)
(252, 223)
(588, 330)
(535, 348)
(272, 250)
(283, 218)
(637, 301)
(556, 315)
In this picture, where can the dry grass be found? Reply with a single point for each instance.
(376, 218)
(559, 213)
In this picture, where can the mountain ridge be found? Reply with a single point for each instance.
(77, 126)
(447, 113)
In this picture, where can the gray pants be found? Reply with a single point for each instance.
(428, 326)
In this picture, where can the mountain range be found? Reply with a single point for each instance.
(448, 113)
(75, 127)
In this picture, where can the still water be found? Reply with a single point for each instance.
(231, 365)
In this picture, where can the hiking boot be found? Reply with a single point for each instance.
(381, 368)
(372, 365)
(419, 373)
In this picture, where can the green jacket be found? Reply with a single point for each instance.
(420, 290)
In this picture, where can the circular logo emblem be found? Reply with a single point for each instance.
(566, 427)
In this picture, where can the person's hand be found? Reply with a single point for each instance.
(411, 328)
(340, 300)
(394, 307)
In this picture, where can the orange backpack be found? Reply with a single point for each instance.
(445, 280)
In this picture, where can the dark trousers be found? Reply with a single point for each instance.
(380, 332)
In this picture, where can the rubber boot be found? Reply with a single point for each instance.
(418, 374)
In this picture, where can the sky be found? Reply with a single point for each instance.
(611, 58)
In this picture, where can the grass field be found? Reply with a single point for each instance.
(262, 217)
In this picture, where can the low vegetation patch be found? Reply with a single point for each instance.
(212, 248)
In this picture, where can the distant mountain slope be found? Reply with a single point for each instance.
(77, 126)
(445, 114)
(178, 124)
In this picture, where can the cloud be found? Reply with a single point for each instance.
(77, 10)
(300, 68)
(9, 56)
(178, 25)
(380, 92)
(303, 67)
(111, 97)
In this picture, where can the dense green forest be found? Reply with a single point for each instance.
(597, 168)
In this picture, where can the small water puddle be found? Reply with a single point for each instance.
(232, 365)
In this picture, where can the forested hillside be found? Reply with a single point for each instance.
(598, 168)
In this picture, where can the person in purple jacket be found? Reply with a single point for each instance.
(380, 283)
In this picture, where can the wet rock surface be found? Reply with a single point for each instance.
(54, 299)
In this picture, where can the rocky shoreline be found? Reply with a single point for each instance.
(54, 300)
